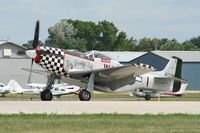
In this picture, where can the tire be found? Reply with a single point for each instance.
(147, 97)
(84, 95)
(46, 95)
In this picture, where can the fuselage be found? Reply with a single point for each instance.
(63, 62)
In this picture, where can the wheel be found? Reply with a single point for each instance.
(147, 97)
(46, 95)
(84, 95)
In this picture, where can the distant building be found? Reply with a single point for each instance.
(12, 59)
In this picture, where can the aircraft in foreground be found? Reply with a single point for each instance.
(98, 71)
(163, 83)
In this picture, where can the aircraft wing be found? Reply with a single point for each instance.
(115, 72)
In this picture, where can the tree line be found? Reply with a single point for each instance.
(105, 36)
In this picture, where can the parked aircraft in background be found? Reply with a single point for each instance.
(16, 88)
(58, 89)
(161, 83)
(4, 89)
(13, 87)
(98, 71)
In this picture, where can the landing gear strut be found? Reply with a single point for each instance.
(46, 94)
(85, 94)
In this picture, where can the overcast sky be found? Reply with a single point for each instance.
(178, 19)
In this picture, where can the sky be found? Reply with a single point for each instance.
(179, 19)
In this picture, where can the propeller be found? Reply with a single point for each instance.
(36, 35)
(32, 52)
(29, 78)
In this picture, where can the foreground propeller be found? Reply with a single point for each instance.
(29, 78)
(32, 52)
(36, 35)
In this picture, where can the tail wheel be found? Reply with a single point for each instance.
(46, 95)
(84, 95)
(147, 97)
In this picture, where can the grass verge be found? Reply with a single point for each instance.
(103, 123)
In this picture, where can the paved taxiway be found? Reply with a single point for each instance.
(78, 107)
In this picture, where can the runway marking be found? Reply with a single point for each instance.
(94, 107)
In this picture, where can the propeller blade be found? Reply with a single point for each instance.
(29, 78)
(36, 35)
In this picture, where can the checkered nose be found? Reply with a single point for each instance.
(31, 53)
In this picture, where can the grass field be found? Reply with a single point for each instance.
(101, 123)
(103, 97)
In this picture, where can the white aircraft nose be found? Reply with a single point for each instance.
(31, 53)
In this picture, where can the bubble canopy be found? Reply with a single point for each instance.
(96, 54)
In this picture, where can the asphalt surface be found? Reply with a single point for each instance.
(94, 107)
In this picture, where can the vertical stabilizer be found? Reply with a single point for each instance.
(178, 84)
(170, 68)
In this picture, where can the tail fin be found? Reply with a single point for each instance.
(173, 68)
(15, 87)
(178, 72)
(178, 83)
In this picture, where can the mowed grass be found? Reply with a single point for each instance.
(101, 97)
(101, 123)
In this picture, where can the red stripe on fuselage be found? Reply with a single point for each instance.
(172, 94)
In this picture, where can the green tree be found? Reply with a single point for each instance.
(122, 43)
(87, 33)
(172, 45)
(145, 44)
(189, 46)
(195, 41)
(107, 37)
(62, 35)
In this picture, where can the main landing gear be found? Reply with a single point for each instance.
(147, 97)
(85, 94)
(46, 94)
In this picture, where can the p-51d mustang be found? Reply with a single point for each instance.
(98, 71)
